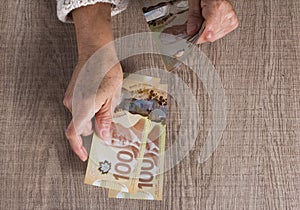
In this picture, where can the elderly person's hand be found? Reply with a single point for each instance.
(219, 15)
(98, 98)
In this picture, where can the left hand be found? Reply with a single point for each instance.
(219, 16)
(93, 91)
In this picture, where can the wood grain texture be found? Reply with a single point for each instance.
(257, 164)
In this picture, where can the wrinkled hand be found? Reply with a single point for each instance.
(95, 86)
(100, 104)
(219, 16)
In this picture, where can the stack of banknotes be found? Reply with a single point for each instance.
(130, 164)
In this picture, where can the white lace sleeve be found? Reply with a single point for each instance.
(64, 7)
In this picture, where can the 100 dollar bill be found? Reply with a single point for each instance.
(150, 183)
(116, 163)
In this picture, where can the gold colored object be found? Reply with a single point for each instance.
(130, 163)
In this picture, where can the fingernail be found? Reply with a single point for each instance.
(83, 155)
(105, 133)
(84, 158)
(209, 35)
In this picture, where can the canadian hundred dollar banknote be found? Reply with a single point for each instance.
(130, 162)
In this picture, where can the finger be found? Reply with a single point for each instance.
(212, 26)
(88, 129)
(76, 142)
(103, 119)
(195, 18)
(210, 36)
(207, 35)
(68, 103)
(222, 34)
(83, 111)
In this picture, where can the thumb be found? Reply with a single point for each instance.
(195, 18)
(103, 119)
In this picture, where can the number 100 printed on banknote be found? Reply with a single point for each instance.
(150, 183)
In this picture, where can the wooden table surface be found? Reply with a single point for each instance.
(257, 164)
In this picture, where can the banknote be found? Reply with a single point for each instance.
(150, 185)
(169, 19)
(116, 163)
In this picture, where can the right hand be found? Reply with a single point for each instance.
(219, 15)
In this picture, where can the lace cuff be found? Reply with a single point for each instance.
(64, 7)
